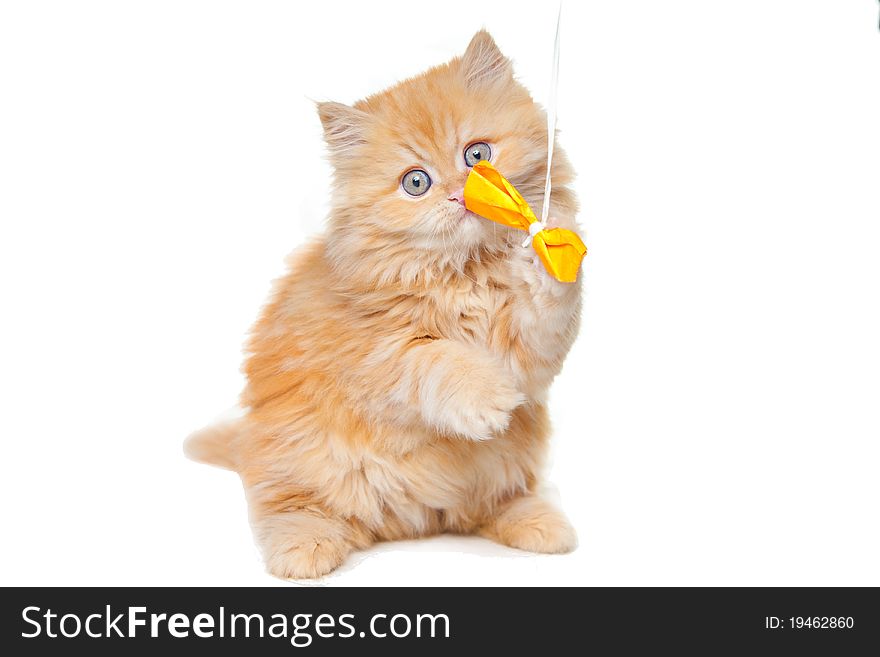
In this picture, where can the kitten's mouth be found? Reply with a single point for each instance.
(467, 214)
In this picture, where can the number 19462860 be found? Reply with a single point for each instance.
(810, 622)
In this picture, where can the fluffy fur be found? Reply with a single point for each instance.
(397, 378)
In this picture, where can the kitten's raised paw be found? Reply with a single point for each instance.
(532, 524)
(482, 407)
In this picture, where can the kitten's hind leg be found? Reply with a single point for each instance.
(533, 524)
(304, 541)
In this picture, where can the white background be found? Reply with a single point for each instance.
(719, 417)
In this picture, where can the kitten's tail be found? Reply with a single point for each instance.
(215, 444)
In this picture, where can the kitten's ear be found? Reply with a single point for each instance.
(344, 127)
(483, 63)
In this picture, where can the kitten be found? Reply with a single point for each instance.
(397, 378)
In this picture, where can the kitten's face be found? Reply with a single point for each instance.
(402, 156)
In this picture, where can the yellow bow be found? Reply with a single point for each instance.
(490, 195)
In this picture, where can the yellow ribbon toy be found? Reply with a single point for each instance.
(490, 195)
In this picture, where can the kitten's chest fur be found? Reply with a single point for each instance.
(465, 310)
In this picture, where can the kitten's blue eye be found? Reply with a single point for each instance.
(477, 152)
(416, 182)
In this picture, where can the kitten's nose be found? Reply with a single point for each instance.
(457, 196)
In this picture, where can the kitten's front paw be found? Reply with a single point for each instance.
(480, 407)
(303, 544)
(306, 560)
(532, 524)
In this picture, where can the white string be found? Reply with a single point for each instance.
(534, 228)
(551, 117)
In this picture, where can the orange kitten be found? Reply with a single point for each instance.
(397, 378)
